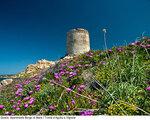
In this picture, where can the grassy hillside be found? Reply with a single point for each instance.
(112, 82)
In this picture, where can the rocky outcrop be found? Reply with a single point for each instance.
(65, 58)
(90, 80)
(34, 69)
(5, 82)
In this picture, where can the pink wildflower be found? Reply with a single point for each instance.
(37, 87)
(31, 101)
(110, 51)
(71, 67)
(68, 89)
(17, 108)
(81, 88)
(14, 106)
(73, 102)
(143, 46)
(52, 107)
(148, 88)
(2, 107)
(120, 49)
(18, 86)
(26, 98)
(11, 101)
(30, 92)
(148, 46)
(56, 75)
(86, 113)
(26, 105)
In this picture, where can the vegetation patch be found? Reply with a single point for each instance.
(110, 82)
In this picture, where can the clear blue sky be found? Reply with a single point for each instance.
(36, 29)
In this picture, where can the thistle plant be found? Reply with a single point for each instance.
(104, 33)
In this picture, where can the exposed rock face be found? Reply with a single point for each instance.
(34, 69)
(68, 57)
(78, 41)
(41, 64)
(87, 76)
(65, 58)
(89, 79)
(6, 82)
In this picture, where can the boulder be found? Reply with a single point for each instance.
(89, 79)
(6, 82)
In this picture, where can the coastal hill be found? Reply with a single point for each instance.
(109, 82)
(30, 71)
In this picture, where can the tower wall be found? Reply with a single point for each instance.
(78, 41)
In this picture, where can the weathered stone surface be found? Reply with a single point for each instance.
(40, 64)
(78, 41)
(89, 79)
(34, 69)
(87, 75)
(6, 82)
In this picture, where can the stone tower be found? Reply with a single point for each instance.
(78, 41)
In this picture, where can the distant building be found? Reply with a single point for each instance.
(78, 41)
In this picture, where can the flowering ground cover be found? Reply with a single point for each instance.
(118, 84)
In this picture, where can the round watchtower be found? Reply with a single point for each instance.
(78, 41)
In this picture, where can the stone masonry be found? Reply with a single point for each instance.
(78, 41)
